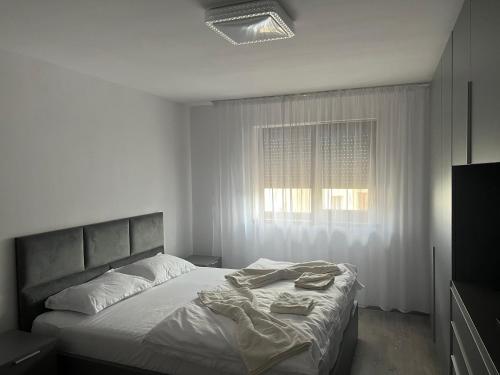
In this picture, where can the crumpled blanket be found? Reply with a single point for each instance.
(263, 340)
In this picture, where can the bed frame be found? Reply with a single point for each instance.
(50, 262)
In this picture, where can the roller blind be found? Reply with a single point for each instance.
(337, 155)
(344, 154)
(287, 156)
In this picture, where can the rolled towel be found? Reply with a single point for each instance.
(309, 280)
(290, 304)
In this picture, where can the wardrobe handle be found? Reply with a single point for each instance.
(26, 357)
(434, 293)
(454, 364)
(469, 123)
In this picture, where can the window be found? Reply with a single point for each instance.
(287, 200)
(314, 169)
(345, 154)
(344, 199)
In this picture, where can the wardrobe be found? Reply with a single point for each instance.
(465, 136)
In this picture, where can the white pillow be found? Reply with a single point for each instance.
(97, 294)
(159, 268)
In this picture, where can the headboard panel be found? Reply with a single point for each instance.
(50, 262)
(48, 256)
(146, 232)
(106, 242)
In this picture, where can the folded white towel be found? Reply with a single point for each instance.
(290, 304)
(309, 280)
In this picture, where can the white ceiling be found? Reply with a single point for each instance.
(163, 46)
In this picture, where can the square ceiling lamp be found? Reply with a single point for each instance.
(251, 22)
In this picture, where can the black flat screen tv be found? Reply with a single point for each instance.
(476, 223)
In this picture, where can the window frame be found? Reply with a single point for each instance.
(342, 216)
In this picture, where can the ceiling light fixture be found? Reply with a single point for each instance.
(251, 22)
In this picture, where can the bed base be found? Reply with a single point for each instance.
(348, 345)
(70, 364)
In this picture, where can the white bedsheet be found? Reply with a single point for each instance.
(116, 333)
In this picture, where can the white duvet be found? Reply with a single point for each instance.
(194, 331)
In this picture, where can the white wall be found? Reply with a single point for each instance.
(76, 150)
(203, 170)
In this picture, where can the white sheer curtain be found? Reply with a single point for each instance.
(339, 176)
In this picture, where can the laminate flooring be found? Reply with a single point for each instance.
(394, 343)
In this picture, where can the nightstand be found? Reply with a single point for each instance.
(27, 353)
(205, 261)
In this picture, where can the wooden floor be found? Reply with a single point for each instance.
(394, 343)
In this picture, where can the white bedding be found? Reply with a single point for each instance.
(116, 333)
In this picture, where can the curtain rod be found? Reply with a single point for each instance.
(312, 93)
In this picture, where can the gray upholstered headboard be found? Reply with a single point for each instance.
(50, 262)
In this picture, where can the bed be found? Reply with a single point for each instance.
(111, 341)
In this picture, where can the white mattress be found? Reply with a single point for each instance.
(115, 334)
